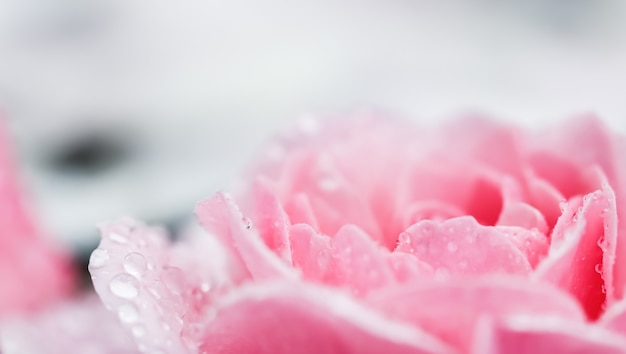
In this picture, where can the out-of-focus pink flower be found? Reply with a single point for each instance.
(40, 310)
(370, 235)
(33, 273)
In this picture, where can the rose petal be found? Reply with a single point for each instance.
(271, 221)
(300, 211)
(577, 143)
(450, 310)
(523, 215)
(134, 290)
(160, 293)
(334, 200)
(462, 246)
(428, 210)
(406, 267)
(311, 252)
(615, 317)
(475, 189)
(544, 335)
(359, 262)
(33, 272)
(475, 136)
(532, 243)
(220, 216)
(82, 325)
(582, 252)
(546, 198)
(291, 318)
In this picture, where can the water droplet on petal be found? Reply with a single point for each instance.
(98, 258)
(598, 268)
(138, 331)
(115, 237)
(125, 286)
(135, 264)
(205, 287)
(128, 313)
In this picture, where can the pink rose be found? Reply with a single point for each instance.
(372, 235)
(33, 273)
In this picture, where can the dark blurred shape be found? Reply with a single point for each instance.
(90, 154)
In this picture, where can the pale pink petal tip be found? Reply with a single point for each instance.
(308, 320)
(451, 310)
(80, 325)
(159, 292)
(544, 335)
(221, 217)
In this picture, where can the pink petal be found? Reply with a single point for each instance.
(359, 262)
(33, 272)
(78, 326)
(545, 335)
(160, 293)
(311, 252)
(462, 246)
(291, 318)
(577, 143)
(300, 211)
(428, 210)
(532, 243)
(334, 200)
(615, 317)
(546, 198)
(523, 215)
(450, 310)
(221, 217)
(271, 221)
(583, 251)
(474, 189)
(406, 267)
(475, 137)
(562, 174)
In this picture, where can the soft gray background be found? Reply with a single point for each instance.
(182, 92)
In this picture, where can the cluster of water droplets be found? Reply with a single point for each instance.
(143, 291)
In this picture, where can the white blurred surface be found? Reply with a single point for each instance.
(196, 86)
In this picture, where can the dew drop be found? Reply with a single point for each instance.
(138, 331)
(98, 258)
(452, 247)
(127, 313)
(205, 287)
(124, 285)
(115, 237)
(598, 268)
(135, 264)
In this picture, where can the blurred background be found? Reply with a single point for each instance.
(145, 107)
